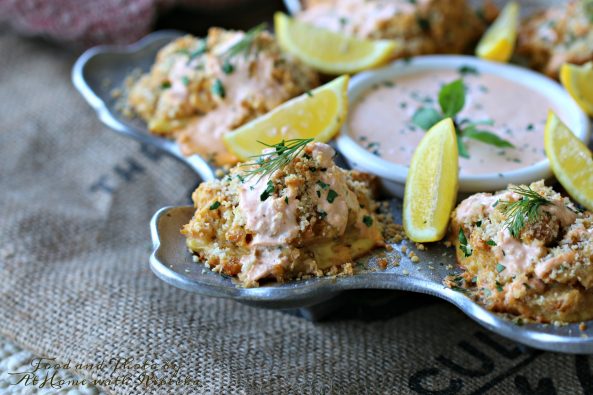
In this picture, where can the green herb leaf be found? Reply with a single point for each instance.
(165, 85)
(491, 243)
(461, 148)
(269, 191)
(331, 195)
(227, 67)
(498, 287)
(185, 80)
(466, 70)
(218, 88)
(425, 118)
(215, 205)
(500, 268)
(486, 137)
(524, 211)
(283, 153)
(245, 45)
(452, 98)
(588, 6)
(322, 214)
(463, 245)
(367, 220)
(200, 49)
(322, 184)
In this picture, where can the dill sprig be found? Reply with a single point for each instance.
(246, 43)
(524, 211)
(282, 154)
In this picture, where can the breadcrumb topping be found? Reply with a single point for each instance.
(286, 225)
(545, 273)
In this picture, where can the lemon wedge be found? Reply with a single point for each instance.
(578, 81)
(431, 185)
(317, 114)
(571, 161)
(498, 42)
(327, 51)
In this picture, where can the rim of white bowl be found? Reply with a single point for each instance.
(576, 119)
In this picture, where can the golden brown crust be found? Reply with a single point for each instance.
(221, 234)
(552, 281)
(558, 35)
(198, 90)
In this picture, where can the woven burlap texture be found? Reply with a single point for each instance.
(75, 284)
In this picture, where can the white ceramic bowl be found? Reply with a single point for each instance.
(393, 176)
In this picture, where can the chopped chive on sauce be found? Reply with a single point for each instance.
(185, 80)
(165, 85)
(270, 189)
(331, 196)
(322, 184)
(500, 268)
(491, 242)
(367, 220)
(215, 205)
(468, 70)
(218, 88)
(227, 67)
(322, 214)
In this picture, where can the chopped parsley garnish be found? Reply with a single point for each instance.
(466, 70)
(227, 67)
(331, 195)
(322, 184)
(215, 205)
(218, 88)
(165, 85)
(322, 214)
(309, 93)
(367, 220)
(270, 189)
(451, 100)
(500, 268)
(478, 223)
(491, 243)
(286, 199)
(463, 246)
(185, 80)
(524, 211)
(423, 23)
(498, 287)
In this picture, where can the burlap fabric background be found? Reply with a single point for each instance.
(75, 285)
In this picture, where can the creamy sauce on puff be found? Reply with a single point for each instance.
(381, 120)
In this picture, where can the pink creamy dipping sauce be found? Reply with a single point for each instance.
(381, 119)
